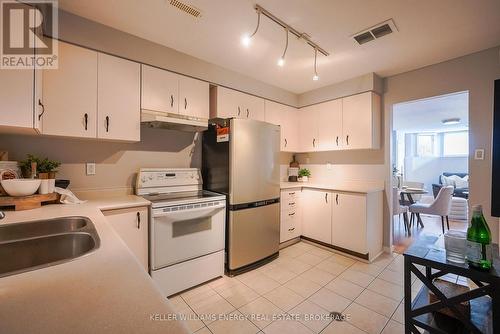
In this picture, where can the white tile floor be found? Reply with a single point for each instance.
(305, 280)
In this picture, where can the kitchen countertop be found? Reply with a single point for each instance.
(347, 186)
(106, 291)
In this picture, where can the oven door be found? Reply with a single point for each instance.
(185, 233)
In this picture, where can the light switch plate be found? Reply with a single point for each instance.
(90, 168)
(328, 166)
(479, 154)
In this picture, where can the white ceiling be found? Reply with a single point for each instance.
(427, 115)
(430, 31)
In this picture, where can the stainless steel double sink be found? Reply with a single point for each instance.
(43, 243)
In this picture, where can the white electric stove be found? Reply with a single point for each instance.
(187, 230)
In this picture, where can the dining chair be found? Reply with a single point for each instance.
(441, 206)
(398, 209)
(416, 197)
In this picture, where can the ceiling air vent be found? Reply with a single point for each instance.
(186, 8)
(364, 37)
(377, 31)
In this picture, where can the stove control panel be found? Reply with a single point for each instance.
(168, 177)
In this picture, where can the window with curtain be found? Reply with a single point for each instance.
(456, 143)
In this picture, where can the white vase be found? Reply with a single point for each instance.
(44, 187)
(52, 185)
(304, 178)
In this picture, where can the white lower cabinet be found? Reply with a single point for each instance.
(348, 221)
(317, 215)
(131, 224)
(291, 222)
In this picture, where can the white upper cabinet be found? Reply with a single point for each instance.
(317, 215)
(70, 94)
(20, 91)
(361, 121)
(19, 108)
(291, 126)
(287, 118)
(160, 90)
(330, 125)
(193, 97)
(226, 103)
(254, 107)
(118, 107)
(308, 129)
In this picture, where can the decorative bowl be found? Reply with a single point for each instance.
(21, 187)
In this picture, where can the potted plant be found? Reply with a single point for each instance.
(47, 172)
(304, 174)
(29, 166)
(43, 169)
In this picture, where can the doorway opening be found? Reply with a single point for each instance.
(430, 160)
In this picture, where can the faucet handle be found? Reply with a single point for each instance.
(2, 215)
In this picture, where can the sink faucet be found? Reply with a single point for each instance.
(2, 215)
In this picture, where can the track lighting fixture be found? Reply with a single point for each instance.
(315, 76)
(281, 61)
(247, 39)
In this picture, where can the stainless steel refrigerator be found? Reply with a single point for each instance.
(241, 160)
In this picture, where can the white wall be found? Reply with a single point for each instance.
(474, 73)
(428, 169)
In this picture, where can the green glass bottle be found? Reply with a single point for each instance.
(478, 252)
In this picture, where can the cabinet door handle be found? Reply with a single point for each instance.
(337, 140)
(286, 142)
(185, 103)
(314, 142)
(107, 123)
(43, 109)
(86, 120)
(171, 101)
(248, 112)
(239, 110)
(291, 214)
(138, 220)
(347, 140)
(326, 197)
(337, 199)
(291, 229)
(291, 193)
(291, 203)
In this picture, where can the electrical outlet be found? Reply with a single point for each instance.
(328, 166)
(90, 168)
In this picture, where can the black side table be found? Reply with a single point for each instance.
(484, 300)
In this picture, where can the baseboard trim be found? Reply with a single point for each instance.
(340, 249)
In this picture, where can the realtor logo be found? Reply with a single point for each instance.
(25, 27)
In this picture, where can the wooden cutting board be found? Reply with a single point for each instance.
(28, 202)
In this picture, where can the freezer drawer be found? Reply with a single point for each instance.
(254, 234)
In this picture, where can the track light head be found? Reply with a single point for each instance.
(246, 40)
(315, 76)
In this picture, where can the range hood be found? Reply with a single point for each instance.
(156, 119)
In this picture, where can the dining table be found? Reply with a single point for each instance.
(406, 194)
